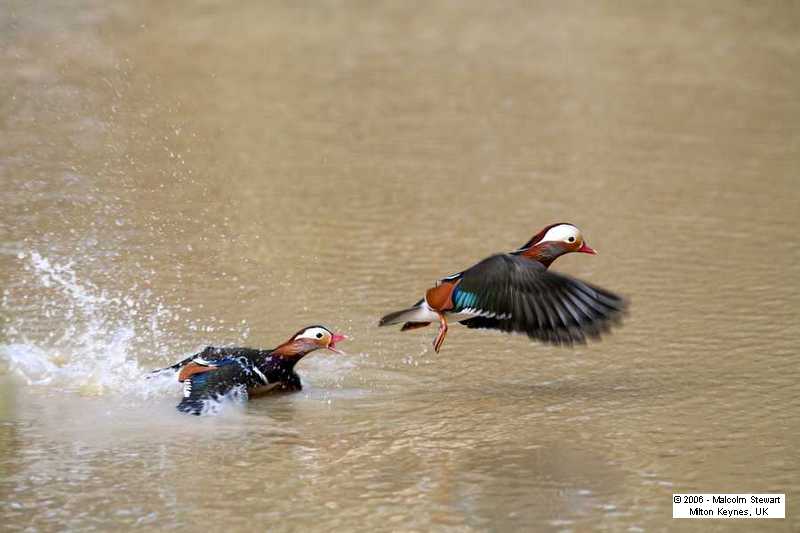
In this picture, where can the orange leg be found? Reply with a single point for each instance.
(439, 340)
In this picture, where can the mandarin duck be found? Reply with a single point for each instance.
(515, 292)
(215, 372)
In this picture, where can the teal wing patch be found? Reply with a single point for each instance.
(464, 299)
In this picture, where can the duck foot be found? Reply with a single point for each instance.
(439, 340)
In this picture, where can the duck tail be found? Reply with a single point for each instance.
(416, 314)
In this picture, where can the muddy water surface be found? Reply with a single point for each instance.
(179, 174)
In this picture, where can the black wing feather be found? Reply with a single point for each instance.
(211, 354)
(212, 385)
(527, 298)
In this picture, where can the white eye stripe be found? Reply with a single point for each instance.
(562, 232)
(313, 333)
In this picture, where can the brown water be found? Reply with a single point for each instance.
(179, 174)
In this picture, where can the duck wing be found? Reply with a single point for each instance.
(209, 381)
(512, 293)
(210, 354)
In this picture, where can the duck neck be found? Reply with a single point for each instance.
(544, 252)
(289, 353)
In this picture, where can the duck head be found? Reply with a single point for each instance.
(309, 339)
(553, 242)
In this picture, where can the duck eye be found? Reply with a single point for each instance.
(319, 335)
(571, 239)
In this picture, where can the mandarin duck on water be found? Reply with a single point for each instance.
(216, 372)
(515, 292)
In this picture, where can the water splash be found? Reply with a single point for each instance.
(233, 400)
(70, 334)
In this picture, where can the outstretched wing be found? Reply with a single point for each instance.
(515, 294)
(209, 382)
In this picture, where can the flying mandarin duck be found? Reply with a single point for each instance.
(515, 292)
(215, 372)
